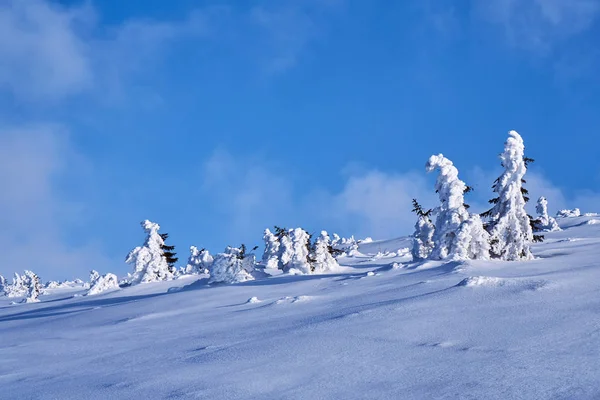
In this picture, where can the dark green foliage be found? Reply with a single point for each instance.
(280, 232)
(418, 209)
(168, 252)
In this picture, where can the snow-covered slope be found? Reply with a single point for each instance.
(381, 329)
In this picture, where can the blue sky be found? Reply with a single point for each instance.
(217, 119)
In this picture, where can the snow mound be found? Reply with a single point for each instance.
(253, 300)
(295, 299)
(593, 222)
(491, 281)
(569, 213)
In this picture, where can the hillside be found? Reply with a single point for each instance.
(382, 328)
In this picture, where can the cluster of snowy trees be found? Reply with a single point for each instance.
(27, 286)
(449, 231)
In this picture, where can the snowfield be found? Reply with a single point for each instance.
(381, 328)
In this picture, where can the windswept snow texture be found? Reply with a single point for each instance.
(381, 328)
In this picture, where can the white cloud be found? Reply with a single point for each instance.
(252, 195)
(33, 215)
(50, 52)
(539, 24)
(42, 54)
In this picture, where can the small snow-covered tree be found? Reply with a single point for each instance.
(199, 261)
(423, 237)
(104, 283)
(323, 259)
(451, 212)
(286, 250)
(271, 254)
(568, 213)
(472, 241)
(299, 262)
(229, 267)
(509, 225)
(3, 285)
(18, 287)
(544, 222)
(94, 276)
(149, 261)
(34, 287)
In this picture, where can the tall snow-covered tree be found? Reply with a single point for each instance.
(34, 287)
(149, 261)
(199, 261)
(169, 253)
(451, 212)
(230, 267)
(544, 222)
(423, 236)
(323, 259)
(508, 223)
(270, 257)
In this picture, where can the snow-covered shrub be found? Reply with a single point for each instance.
(569, 213)
(271, 254)
(34, 287)
(472, 241)
(286, 251)
(150, 264)
(102, 284)
(423, 239)
(509, 225)
(199, 261)
(323, 260)
(451, 212)
(230, 267)
(544, 223)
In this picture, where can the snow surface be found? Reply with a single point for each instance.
(381, 328)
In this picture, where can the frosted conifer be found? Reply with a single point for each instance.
(149, 262)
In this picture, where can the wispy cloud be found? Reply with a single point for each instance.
(50, 52)
(539, 25)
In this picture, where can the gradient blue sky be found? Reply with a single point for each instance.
(217, 119)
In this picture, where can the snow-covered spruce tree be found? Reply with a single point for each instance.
(508, 223)
(299, 262)
(451, 212)
(423, 236)
(169, 253)
(230, 267)
(34, 287)
(150, 264)
(544, 222)
(323, 259)
(199, 261)
(103, 283)
(270, 257)
(286, 248)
